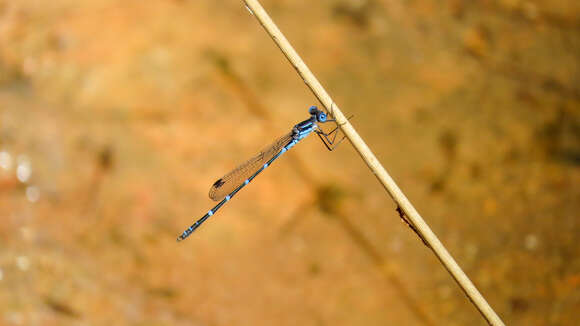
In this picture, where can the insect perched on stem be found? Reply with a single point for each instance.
(227, 186)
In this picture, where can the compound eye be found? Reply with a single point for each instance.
(321, 117)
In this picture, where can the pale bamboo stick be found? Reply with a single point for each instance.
(373, 163)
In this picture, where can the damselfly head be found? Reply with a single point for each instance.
(320, 116)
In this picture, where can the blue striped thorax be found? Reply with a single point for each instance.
(305, 127)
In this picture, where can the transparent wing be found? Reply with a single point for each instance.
(237, 176)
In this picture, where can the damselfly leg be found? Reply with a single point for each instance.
(329, 138)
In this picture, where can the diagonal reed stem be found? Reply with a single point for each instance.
(373, 163)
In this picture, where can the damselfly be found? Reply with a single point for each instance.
(226, 187)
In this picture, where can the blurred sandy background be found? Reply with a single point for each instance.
(117, 116)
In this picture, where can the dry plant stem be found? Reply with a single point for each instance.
(373, 163)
